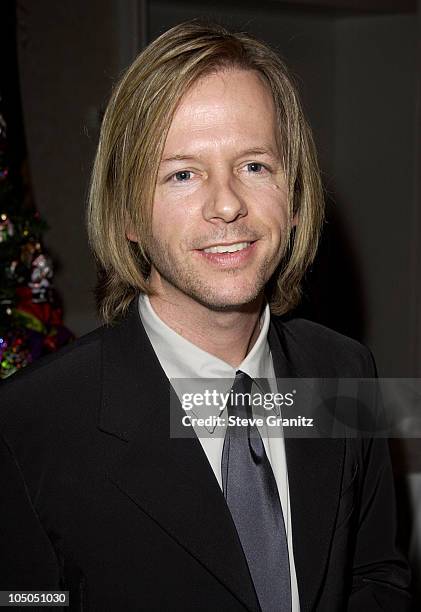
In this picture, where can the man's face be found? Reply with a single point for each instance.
(220, 205)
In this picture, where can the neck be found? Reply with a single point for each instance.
(229, 335)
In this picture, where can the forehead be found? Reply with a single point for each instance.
(226, 106)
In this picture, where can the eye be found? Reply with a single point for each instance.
(255, 167)
(182, 176)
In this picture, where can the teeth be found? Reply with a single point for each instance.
(227, 248)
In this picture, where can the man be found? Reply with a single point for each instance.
(205, 208)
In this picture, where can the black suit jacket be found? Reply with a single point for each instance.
(98, 499)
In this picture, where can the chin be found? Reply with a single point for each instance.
(216, 294)
(228, 301)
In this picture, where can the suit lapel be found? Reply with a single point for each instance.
(314, 474)
(168, 478)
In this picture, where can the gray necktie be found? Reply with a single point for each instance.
(252, 496)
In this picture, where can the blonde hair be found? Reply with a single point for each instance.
(132, 139)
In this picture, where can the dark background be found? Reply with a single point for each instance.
(358, 67)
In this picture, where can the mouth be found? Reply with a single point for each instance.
(229, 256)
(227, 248)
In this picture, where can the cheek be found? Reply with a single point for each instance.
(174, 218)
(272, 210)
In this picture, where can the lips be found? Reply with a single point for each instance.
(227, 248)
(224, 256)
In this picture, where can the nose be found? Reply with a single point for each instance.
(224, 201)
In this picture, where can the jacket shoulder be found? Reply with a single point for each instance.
(324, 351)
(47, 380)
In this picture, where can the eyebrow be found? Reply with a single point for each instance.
(178, 157)
(253, 151)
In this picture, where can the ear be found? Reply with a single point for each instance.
(131, 234)
(295, 219)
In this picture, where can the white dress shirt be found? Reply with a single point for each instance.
(182, 360)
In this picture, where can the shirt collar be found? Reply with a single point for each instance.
(169, 346)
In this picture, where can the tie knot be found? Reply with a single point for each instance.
(242, 383)
(240, 396)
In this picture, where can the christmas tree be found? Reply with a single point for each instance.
(30, 313)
